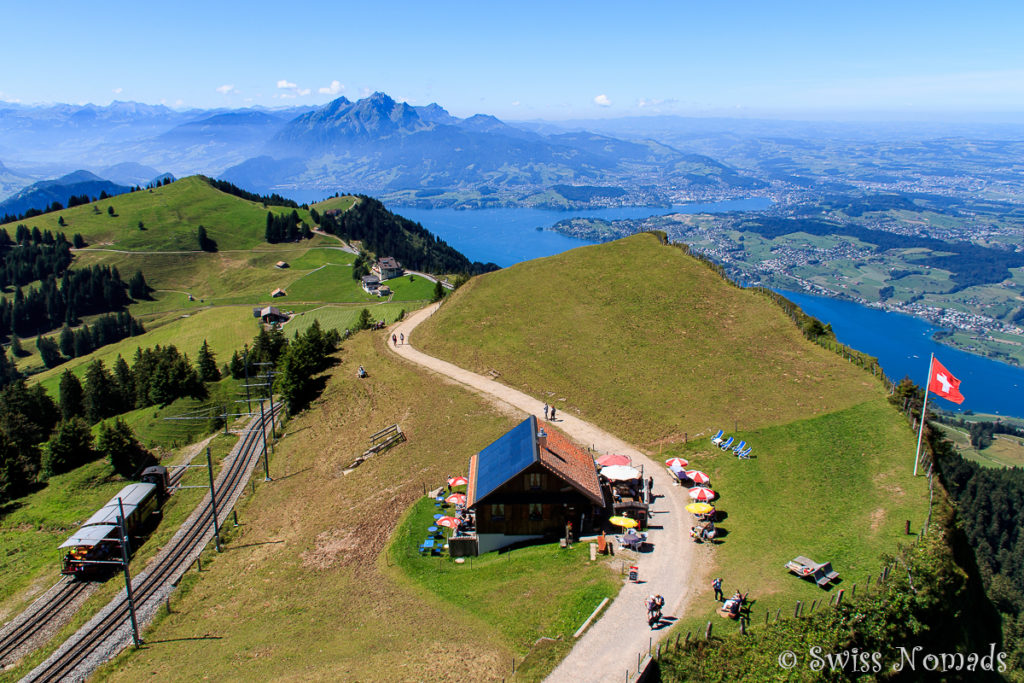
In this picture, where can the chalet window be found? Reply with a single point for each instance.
(536, 511)
(534, 481)
(498, 511)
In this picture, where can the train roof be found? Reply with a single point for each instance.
(89, 535)
(130, 496)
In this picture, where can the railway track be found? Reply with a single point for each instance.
(108, 632)
(38, 616)
(50, 607)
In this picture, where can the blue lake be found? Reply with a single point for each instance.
(510, 236)
(903, 344)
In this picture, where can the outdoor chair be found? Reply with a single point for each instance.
(725, 444)
(717, 438)
(737, 449)
(745, 455)
(428, 547)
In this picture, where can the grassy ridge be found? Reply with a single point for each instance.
(170, 215)
(642, 340)
(652, 345)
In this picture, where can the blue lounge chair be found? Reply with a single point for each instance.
(737, 449)
(726, 444)
(717, 438)
(745, 454)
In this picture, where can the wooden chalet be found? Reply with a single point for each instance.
(529, 484)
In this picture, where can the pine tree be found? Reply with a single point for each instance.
(72, 396)
(207, 364)
(365, 320)
(67, 342)
(124, 380)
(100, 393)
(438, 291)
(69, 447)
(118, 443)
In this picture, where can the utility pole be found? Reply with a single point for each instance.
(213, 500)
(270, 393)
(248, 403)
(127, 577)
(263, 433)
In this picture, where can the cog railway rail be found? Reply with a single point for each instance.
(77, 657)
(48, 609)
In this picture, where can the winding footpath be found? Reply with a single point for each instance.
(608, 650)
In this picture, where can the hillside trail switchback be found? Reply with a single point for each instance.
(608, 649)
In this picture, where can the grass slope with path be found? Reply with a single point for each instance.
(658, 349)
(306, 590)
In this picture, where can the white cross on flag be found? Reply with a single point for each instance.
(943, 383)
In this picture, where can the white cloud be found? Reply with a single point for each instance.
(285, 85)
(333, 89)
(364, 92)
(178, 102)
(118, 91)
(602, 101)
(516, 103)
(226, 89)
(304, 91)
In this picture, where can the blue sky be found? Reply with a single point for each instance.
(526, 60)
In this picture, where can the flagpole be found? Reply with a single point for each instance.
(924, 411)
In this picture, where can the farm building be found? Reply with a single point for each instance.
(529, 484)
(269, 314)
(281, 264)
(278, 292)
(370, 283)
(387, 268)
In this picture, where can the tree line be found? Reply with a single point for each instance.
(40, 437)
(105, 330)
(87, 291)
(286, 228)
(387, 234)
(273, 199)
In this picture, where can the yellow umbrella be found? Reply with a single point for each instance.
(699, 508)
(624, 522)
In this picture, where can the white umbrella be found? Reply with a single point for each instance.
(619, 473)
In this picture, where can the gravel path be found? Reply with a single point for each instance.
(609, 647)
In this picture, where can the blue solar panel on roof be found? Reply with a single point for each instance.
(506, 457)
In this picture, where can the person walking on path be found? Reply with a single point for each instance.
(717, 585)
(401, 337)
(394, 340)
(552, 413)
(545, 411)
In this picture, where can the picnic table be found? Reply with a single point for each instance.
(822, 574)
(428, 547)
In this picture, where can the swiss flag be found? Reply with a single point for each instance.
(943, 383)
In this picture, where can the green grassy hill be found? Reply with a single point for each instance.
(643, 340)
(652, 345)
(170, 216)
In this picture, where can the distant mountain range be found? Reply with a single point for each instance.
(44, 193)
(374, 145)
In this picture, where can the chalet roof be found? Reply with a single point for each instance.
(571, 464)
(270, 310)
(278, 292)
(371, 279)
(389, 262)
(517, 449)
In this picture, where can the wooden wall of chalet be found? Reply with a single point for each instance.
(534, 502)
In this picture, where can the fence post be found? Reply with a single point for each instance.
(707, 632)
(853, 592)
(839, 596)
(796, 609)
